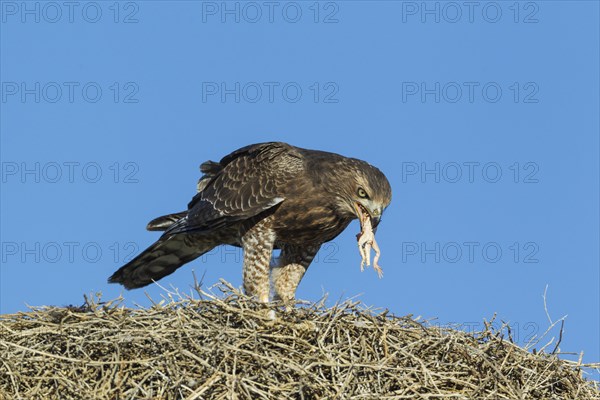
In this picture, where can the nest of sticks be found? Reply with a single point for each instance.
(226, 346)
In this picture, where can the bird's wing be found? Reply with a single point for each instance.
(164, 222)
(248, 182)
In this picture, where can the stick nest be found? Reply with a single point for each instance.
(226, 347)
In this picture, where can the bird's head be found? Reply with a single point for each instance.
(366, 193)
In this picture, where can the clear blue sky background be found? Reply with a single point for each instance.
(441, 99)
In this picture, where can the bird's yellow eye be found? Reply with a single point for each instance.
(362, 194)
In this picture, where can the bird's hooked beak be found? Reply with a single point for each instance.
(364, 211)
(376, 217)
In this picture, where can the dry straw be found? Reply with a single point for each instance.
(227, 347)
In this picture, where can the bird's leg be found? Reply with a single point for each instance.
(290, 269)
(257, 243)
(285, 281)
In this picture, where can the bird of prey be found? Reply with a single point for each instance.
(262, 197)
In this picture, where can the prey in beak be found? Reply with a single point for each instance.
(366, 237)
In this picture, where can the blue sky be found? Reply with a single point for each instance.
(484, 117)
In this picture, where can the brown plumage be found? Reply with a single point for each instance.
(261, 197)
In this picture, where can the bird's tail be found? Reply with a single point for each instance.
(161, 259)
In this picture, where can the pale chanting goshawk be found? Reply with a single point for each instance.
(262, 197)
